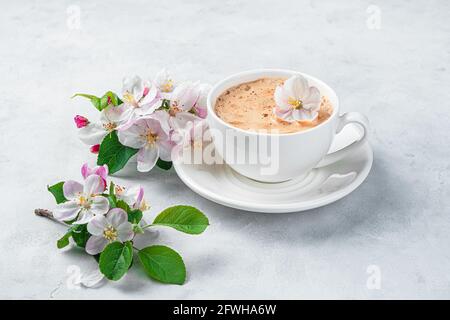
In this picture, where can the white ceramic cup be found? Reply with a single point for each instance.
(293, 154)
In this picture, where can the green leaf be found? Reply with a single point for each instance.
(115, 260)
(113, 153)
(57, 191)
(64, 240)
(135, 216)
(111, 188)
(94, 100)
(165, 165)
(100, 103)
(113, 99)
(163, 264)
(80, 234)
(183, 218)
(123, 205)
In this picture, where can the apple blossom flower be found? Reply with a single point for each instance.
(106, 229)
(165, 83)
(133, 196)
(110, 119)
(83, 201)
(152, 139)
(188, 131)
(183, 98)
(140, 98)
(296, 100)
(200, 108)
(81, 121)
(101, 171)
(95, 148)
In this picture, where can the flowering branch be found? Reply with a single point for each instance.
(105, 219)
(149, 121)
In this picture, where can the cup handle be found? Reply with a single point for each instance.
(347, 118)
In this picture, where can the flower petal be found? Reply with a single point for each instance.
(95, 245)
(146, 158)
(125, 232)
(93, 133)
(84, 217)
(312, 101)
(116, 217)
(93, 185)
(132, 136)
(97, 225)
(281, 98)
(72, 189)
(100, 205)
(296, 87)
(66, 211)
(306, 115)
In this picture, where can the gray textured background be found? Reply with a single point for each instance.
(398, 76)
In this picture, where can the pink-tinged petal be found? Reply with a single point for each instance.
(95, 148)
(150, 96)
(116, 217)
(165, 149)
(130, 195)
(85, 171)
(146, 158)
(201, 112)
(81, 121)
(139, 198)
(163, 118)
(132, 136)
(296, 87)
(66, 211)
(154, 125)
(312, 101)
(126, 117)
(97, 225)
(72, 189)
(95, 245)
(283, 114)
(186, 95)
(100, 205)
(93, 185)
(84, 217)
(92, 134)
(281, 99)
(125, 232)
(305, 115)
(182, 120)
(203, 91)
(112, 114)
(102, 171)
(134, 86)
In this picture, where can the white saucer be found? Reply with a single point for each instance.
(221, 184)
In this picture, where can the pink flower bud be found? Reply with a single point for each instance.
(95, 148)
(81, 121)
(108, 102)
(146, 91)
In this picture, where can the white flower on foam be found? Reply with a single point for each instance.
(296, 100)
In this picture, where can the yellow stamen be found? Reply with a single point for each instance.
(110, 233)
(296, 103)
(151, 137)
(84, 202)
(129, 98)
(168, 86)
(110, 126)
